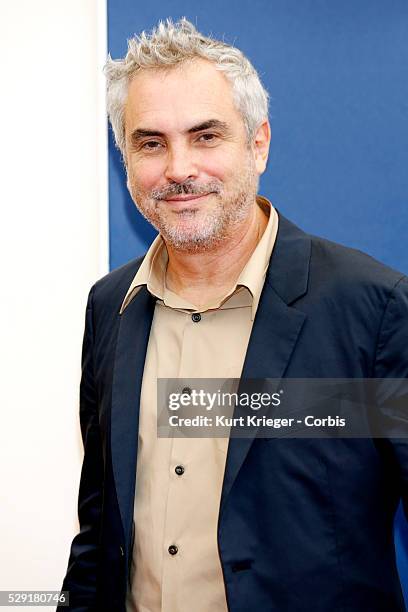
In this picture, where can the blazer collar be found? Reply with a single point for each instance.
(288, 272)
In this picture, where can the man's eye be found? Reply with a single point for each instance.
(207, 137)
(151, 145)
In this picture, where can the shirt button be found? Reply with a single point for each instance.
(186, 391)
(173, 550)
(196, 317)
(179, 469)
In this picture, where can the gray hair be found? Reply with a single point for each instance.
(170, 44)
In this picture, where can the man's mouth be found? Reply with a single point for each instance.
(185, 197)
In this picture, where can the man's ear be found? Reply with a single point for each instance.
(261, 144)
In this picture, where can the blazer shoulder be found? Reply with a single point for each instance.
(303, 264)
(352, 285)
(110, 290)
(350, 267)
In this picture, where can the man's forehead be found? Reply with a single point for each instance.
(194, 92)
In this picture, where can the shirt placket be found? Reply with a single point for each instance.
(182, 483)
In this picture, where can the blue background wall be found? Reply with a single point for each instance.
(337, 76)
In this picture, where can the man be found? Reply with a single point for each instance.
(230, 288)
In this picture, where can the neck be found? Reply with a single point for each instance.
(204, 276)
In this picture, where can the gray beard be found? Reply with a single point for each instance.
(220, 222)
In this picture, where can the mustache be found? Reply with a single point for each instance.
(188, 187)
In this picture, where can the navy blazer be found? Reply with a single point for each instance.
(304, 524)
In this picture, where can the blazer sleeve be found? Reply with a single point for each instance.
(391, 368)
(81, 576)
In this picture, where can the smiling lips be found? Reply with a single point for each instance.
(186, 198)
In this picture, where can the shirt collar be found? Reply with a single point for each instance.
(246, 291)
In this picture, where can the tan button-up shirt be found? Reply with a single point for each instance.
(174, 509)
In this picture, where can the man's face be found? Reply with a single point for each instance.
(191, 171)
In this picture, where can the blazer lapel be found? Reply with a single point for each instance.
(276, 328)
(133, 335)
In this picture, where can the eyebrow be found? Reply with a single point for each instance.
(210, 124)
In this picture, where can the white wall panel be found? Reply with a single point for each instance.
(53, 241)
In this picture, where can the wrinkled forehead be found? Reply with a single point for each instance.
(185, 94)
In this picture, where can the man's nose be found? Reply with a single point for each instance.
(180, 164)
